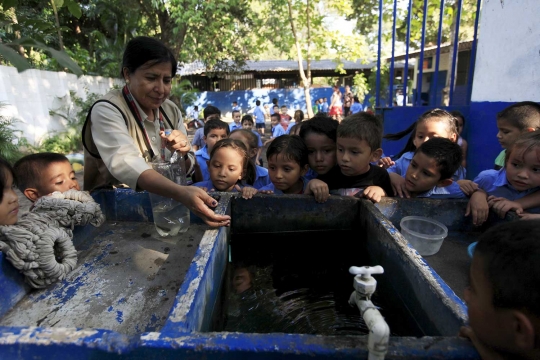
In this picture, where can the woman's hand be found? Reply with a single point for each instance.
(198, 201)
(176, 141)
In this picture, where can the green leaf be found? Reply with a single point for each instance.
(14, 58)
(74, 9)
(58, 3)
(60, 56)
(6, 4)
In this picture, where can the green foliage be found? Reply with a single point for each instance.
(74, 116)
(360, 86)
(385, 82)
(10, 138)
(183, 94)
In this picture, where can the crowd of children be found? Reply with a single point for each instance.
(323, 156)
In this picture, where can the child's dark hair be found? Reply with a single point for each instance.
(247, 166)
(443, 115)
(458, 114)
(522, 115)
(211, 110)
(320, 124)
(235, 111)
(257, 102)
(445, 152)
(362, 126)
(291, 146)
(29, 169)
(5, 169)
(252, 139)
(274, 101)
(215, 124)
(195, 107)
(510, 253)
(298, 116)
(275, 115)
(247, 118)
(525, 142)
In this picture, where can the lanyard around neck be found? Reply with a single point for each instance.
(135, 111)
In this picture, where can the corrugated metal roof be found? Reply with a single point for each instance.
(197, 68)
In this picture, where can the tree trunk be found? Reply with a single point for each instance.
(57, 21)
(305, 80)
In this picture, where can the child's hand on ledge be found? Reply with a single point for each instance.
(527, 216)
(374, 193)
(319, 189)
(478, 207)
(398, 184)
(501, 206)
(247, 191)
(467, 186)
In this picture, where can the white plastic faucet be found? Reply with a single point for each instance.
(379, 331)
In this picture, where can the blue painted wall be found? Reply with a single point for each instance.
(292, 98)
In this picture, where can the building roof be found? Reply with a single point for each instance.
(432, 50)
(197, 68)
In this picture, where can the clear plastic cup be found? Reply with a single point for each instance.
(170, 216)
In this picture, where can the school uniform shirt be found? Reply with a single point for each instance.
(237, 108)
(278, 131)
(495, 182)
(375, 176)
(259, 115)
(198, 138)
(262, 178)
(202, 156)
(291, 124)
(355, 108)
(233, 126)
(279, 192)
(259, 141)
(311, 174)
(451, 191)
(325, 107)
(402, 164)
(209, 186)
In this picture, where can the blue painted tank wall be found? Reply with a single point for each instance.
(293, 98)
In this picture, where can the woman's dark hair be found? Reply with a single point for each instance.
(5, 169)
(292, 146)
(320, 124)
(435, 113)
(144, 49)
(240, 148)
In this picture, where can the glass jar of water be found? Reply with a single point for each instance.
(170, 216)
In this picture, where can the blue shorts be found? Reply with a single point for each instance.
(259, 125)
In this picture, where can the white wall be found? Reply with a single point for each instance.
(508, 57)
(30, 96)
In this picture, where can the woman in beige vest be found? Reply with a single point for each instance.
(124, 131)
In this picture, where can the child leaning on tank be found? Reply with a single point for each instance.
(503, 299)
(359, 139)
(44, 173)
(519, 178)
